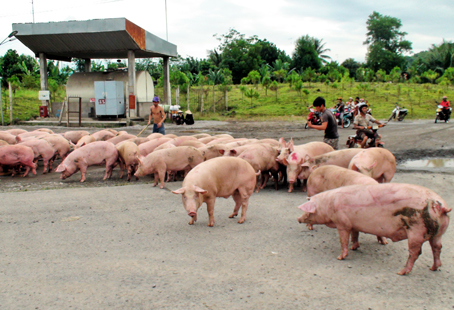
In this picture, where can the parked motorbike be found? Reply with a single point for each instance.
(355, 140)
(313, 118)
(442, 115)
(398, 113)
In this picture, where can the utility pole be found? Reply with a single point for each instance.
(1, 101)
(10, 103)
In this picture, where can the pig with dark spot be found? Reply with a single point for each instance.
(218, 177)
(172, 159)
(395, 211)
(376, 162)
(95, 153)
(103, 135)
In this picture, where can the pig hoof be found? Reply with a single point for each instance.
(310, 227)
(231, 216)
(403, 272)
(382, 240)
(210, 225)
(161, 187)
(290, 190)
(241, 221)
(355, 246)
(154, 185)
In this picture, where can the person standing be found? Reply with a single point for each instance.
(158, 115)
(446, 105)
(328, 123)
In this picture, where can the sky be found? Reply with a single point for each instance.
(193, 25)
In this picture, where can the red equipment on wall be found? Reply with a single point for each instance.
(43, 112)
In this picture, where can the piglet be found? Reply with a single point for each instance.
(218, 177)
(395, 211)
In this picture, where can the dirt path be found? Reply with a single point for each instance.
(113, 245)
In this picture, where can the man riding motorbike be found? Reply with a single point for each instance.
(362, 121)
(446, 105)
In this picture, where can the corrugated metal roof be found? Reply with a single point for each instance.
(101, 38)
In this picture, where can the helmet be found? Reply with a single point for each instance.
(362, 100)
(361, 105)
(339, 98)
(444, 97)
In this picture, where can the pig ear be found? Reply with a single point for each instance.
(234, 152)
(285, 162)
(200, 190)
(282, 142)
(61, 168)
(83, 143)
(306, 164)
(290, 146)
(179, 191)
(221, 152)
(309, 207)
(438, 207)
(138, 158)
(372, 166)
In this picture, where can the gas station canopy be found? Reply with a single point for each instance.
(92, 39)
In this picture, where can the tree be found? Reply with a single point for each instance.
(254, 77)
(351, 65)
(280, 74)
(380, 75)
(274, 87)
(226, 84)
(305, 54)
(240, 54)
(292, 78)
(215, 77)
(386, 43)
(266, 82)
(251, 93)
(320, 49)
(430, 75)
(309, 75)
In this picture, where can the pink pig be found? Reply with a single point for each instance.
(218, 177)
(173, 159)
(128, 153)
(13, 155)
(41, 149)
(340, 158)
(148, 147)
(378, 163)
(74, 136)
(7, 137)
(95, 153)
(395, 211)
(296, 159)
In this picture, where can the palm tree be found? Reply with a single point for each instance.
(320, 49)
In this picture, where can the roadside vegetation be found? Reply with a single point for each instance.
(244, 78)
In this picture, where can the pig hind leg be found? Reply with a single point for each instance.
(241, 197)
(414, 249)
(355, 240)
(435, 243)
(210, 210)
(344, 234)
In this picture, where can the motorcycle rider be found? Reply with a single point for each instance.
(340, 106)
(446, 105)
(361, 122)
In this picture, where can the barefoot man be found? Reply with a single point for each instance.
(158, 115)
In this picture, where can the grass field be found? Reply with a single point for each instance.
(420, 99)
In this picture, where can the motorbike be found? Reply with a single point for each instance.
(398, 113)
(441, 115)
(355, 140)
(347, 118)
(313, 117)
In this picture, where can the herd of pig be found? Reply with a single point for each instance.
(343, 187)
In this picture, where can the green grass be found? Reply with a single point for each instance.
(420, 99)
(25, 104)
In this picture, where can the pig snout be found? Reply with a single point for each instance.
(192, 213)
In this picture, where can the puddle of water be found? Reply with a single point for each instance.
(429, 163)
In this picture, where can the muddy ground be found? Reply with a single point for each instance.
(113, 244)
